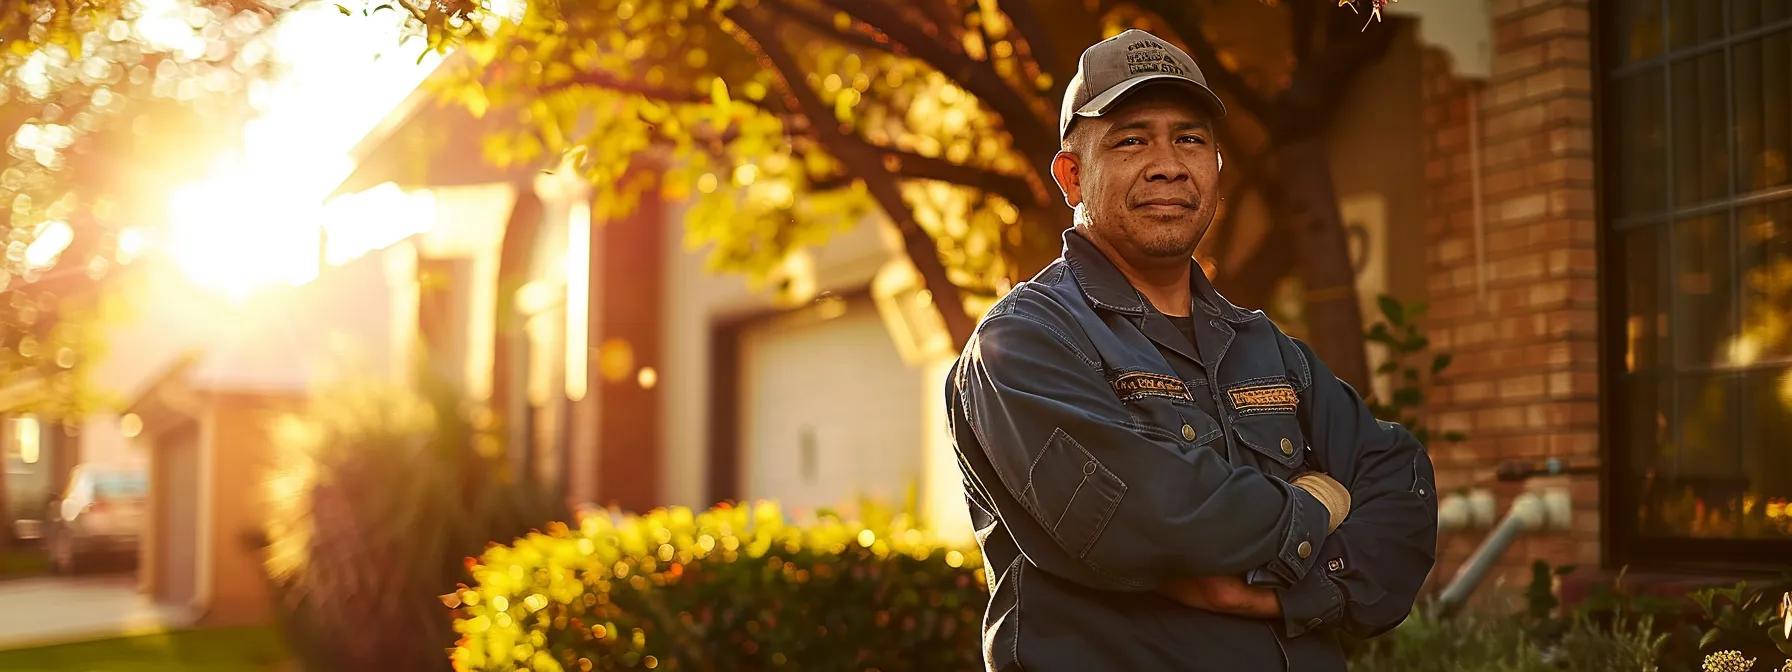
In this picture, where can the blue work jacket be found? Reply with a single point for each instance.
(1104, 453)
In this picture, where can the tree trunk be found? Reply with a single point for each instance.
(1040, 240)
(1309, 208)
(510, 401)
(1249, 279)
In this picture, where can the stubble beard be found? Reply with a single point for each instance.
(1165, 237)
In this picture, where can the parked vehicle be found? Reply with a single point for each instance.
(100, 514)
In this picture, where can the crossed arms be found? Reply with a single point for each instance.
(1134, 510)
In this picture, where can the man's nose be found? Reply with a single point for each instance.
(1165, 166)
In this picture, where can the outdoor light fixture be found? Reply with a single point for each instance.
(909, 315)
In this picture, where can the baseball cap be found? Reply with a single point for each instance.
(1121, 64)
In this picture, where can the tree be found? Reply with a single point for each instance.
(78, 88)
(84, 87)
(786, 120)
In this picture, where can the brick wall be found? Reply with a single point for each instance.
(1521, 316)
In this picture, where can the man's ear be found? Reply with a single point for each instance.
(1068, 173)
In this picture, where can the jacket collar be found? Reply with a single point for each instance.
(1106, 287)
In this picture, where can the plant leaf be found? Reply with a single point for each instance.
(1441, 362)
(1391, 307)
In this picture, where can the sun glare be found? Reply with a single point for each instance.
(260, 218)
(231, 234)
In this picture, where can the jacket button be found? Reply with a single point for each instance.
(1304, 550)
(1188, 433)
(1287, 446)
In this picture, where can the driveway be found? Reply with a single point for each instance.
(50, 610)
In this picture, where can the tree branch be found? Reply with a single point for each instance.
(1031, 134)
(605, 80)
(1300, 19)
(825, 25)
(416, 12)
(864, 165)
(1346, 53)
(910, 164)
(1034, 34)
(1186, 19)
(939, 14)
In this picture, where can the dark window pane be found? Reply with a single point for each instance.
(1635, 31)
(1691, 22)
(1645, 317)
(1703, 491)
(1763, 72)
(1701, 130)
(1640, 142)
(1703, 307)
(1766, 508)
(1746, 14)
(1645, 406)
(1766, 232)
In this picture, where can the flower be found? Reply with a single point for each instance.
(1728, 661)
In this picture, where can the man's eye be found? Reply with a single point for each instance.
(1129, 141)
(1196, 139)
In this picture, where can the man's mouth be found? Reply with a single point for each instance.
(1165, 204)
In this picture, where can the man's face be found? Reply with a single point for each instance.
(1147, 174)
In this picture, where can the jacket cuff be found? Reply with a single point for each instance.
(1313, 602)
(1300, 542)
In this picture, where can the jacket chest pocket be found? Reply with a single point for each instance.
(1276, 439)
(1162, 406)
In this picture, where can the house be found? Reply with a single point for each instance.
(1606, 247)
(635, 378)
(204, 422)
(1593, 200)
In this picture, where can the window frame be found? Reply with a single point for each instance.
(1619, 496)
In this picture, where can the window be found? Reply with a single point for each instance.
(1697, 136)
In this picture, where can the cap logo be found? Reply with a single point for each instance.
(1150, 56)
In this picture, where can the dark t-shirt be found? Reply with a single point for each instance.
(1192, 375)
(1186, 325)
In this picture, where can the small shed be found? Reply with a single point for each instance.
(208, 421)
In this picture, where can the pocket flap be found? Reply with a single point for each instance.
(1276, 435)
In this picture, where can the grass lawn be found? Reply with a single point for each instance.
(215, 650)
(23, 562)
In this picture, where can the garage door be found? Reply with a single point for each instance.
(828, 410)
(178, 528)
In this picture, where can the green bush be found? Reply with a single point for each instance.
(1475, 642)
(1750, 618)
(378, 497)
(730, 588)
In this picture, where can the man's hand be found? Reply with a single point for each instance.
(1329, 492)
(1224, 594)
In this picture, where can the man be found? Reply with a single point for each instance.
(1161, 480)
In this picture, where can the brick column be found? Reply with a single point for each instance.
(1515, 300)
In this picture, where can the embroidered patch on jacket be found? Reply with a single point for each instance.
(1145, 384)
(1271, 398)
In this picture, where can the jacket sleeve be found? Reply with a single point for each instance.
(1130, 504)
(1370, 569)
